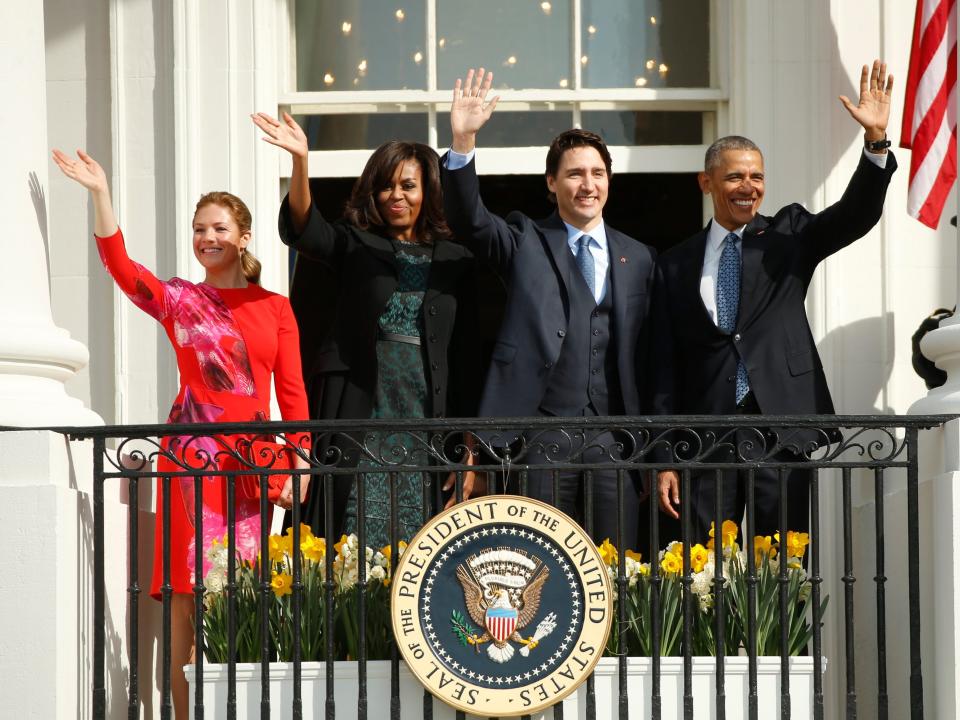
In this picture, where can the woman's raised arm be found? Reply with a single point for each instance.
(290, 136)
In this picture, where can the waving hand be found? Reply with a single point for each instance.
(873, 109)
(287, 134)
(469, 109)
(87, 171)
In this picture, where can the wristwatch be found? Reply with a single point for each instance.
(876, 146)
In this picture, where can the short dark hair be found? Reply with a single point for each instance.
(574, 138)
(361, 210)
(730, 142)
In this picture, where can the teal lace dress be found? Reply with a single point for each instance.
(401, 393)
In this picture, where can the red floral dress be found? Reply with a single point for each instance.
(228, 343)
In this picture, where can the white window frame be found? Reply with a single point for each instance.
(435, 103)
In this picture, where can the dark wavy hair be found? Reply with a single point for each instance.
(361, 210)
(570, 139)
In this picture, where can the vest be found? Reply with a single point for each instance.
(585, 375)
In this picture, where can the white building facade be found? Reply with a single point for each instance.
(160, 92)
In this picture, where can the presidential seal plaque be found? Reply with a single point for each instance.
(501, 606)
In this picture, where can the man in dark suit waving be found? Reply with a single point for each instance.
(573, 341)
(739, 340)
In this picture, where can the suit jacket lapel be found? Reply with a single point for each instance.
(751, 266)
(690, 275)
(622, 274)
(555, 234)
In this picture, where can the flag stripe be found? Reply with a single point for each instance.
(929, 125)
(931, 81)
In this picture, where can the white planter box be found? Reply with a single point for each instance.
(736, 686)
(411, 692)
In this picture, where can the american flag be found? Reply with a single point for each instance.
(930, 109)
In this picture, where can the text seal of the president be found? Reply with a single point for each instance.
(501, 606)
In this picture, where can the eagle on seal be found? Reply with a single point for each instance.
(501, 589)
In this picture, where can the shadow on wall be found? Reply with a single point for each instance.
(863, 357)
(87, 85)
(39, 199)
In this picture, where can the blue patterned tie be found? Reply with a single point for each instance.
(585, 263)
(728, 301)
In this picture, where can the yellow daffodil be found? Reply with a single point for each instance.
(338, 547)
(279, 547)
(387, 550)
(729, 531)
(282, 584)
(763, 548)
(796, 543)
(305, 532)
(698, 557)
(313, 548)
(608, 552)
(671, 564)
(632, 555)
(676, 548)
(645, 569)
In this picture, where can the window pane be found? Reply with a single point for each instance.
(508, 129)
(526, 44)
(361, 45)
(645, 128)
(646, 43)
(357, 132)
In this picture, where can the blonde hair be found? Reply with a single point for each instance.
(238, 209)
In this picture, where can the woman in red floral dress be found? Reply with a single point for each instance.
(230, 335)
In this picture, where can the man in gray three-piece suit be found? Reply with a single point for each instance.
(574, 339)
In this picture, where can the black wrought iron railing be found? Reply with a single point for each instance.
(825, 449)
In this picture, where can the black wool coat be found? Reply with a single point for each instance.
(342, 281)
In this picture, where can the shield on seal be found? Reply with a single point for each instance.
(501, 622)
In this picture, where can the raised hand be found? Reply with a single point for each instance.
(85, 170)
(469, 109)
(287, 134)
(873, 109)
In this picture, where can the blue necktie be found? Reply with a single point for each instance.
(728, 301)
(585, 263)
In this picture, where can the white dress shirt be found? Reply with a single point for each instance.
(598, 251)
(711, 254)
(598, 243)
(711, 264)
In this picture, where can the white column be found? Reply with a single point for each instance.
(36, 357)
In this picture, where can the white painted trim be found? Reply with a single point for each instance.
(286, 39)
(118, 118)
(186, 89)
(314, 102)
(520, 160)
(267, 23)
(577, 11)
(233, 135)
(431, 35)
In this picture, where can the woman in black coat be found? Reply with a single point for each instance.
(399, 343)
